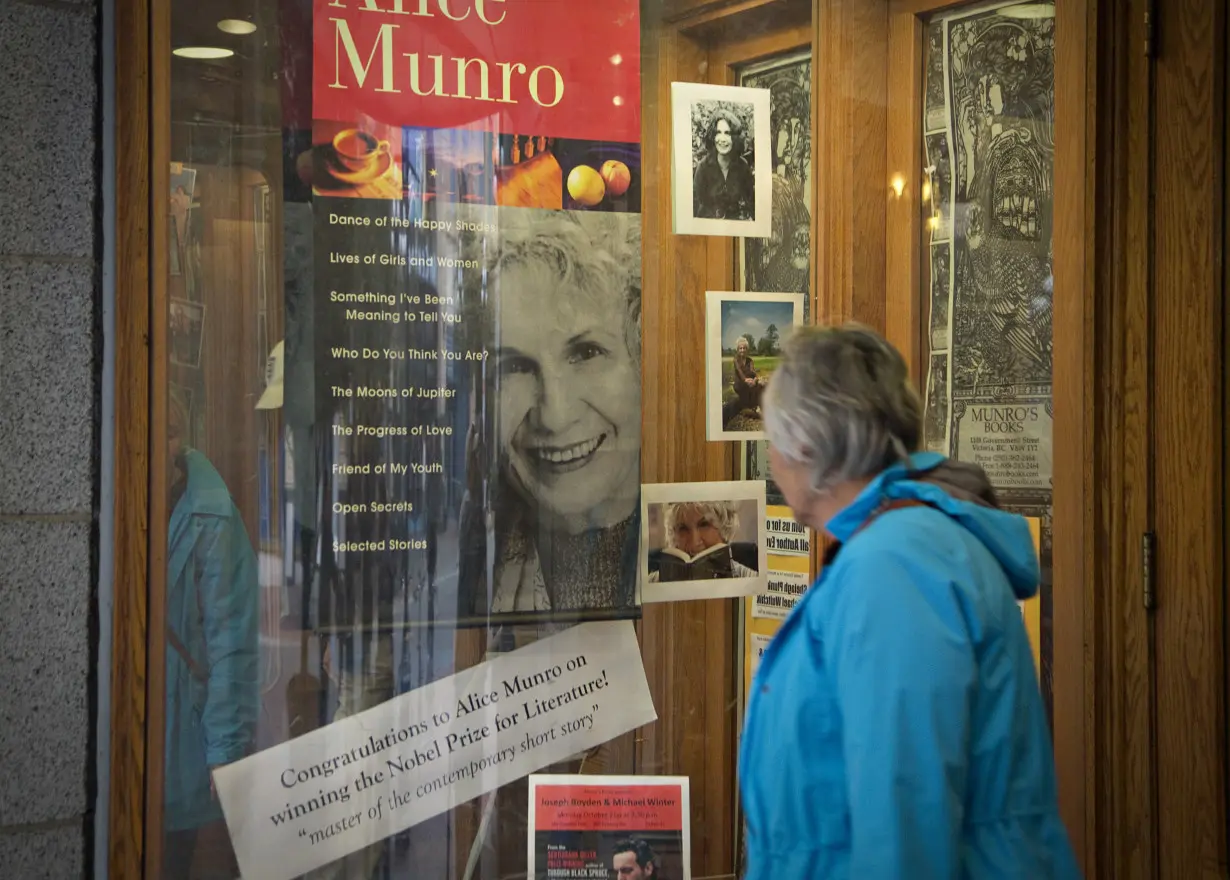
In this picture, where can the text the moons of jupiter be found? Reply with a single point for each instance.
(367, 391)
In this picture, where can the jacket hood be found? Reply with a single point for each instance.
(963, 492)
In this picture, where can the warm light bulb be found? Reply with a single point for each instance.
(617, 101)
(926, 191)
(203, 52)
(898, 184)
(236, 26)
(617, 59)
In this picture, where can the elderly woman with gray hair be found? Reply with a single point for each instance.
(895, 729)
(692, 528)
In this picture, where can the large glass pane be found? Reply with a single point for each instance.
(405, 378)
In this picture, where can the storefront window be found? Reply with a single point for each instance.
(423, 334)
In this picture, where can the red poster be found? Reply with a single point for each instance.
(547, 68)
(596, 827)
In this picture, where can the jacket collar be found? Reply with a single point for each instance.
(895, 482)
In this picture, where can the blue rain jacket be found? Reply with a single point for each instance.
(213, 606)
(895, 729)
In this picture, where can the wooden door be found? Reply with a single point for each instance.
(1160, 360)
(1187, 432)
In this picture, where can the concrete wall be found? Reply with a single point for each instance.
(49, 408)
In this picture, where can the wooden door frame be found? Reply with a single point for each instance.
(1185, 309)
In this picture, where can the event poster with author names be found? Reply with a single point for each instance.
(476, 297)
(596, 827)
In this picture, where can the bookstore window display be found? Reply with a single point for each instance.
(410, 324)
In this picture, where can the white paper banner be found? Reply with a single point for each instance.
(315, 799)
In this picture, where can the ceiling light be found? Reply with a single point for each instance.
(1029, 10)
(203, 52)
(617, 59)
(236, 26)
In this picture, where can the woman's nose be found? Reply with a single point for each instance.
(556, 408)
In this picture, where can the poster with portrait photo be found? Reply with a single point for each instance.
(599, 827)
(513, 452)
(702, 541)
(721, 164)
(744, 333)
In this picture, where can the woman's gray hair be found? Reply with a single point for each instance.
(724, 516)
(596, 254)
(842, 403)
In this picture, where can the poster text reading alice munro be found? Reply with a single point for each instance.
(553, 68)
(355, 60)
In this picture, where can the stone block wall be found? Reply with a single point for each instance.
(50, 357)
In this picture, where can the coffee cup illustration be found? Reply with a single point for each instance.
(357, 150)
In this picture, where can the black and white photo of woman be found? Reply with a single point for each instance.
(724, 187)
(563, 387)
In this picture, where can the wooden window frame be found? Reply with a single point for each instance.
(138, 656)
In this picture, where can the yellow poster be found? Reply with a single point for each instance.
(789, 573)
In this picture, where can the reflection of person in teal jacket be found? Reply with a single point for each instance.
(212, 693)
(895, 729)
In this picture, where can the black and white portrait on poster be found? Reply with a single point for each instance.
(782, 262)
(562, 471)
(988, 115)
(703, 540)
(722, 180)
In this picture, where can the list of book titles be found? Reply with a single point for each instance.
(396, 352)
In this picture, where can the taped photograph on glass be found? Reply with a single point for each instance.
(720, 145)
(187, 333)
(702, 540)
(744, 333)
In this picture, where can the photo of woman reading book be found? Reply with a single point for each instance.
(698, 543)
(705, 544)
